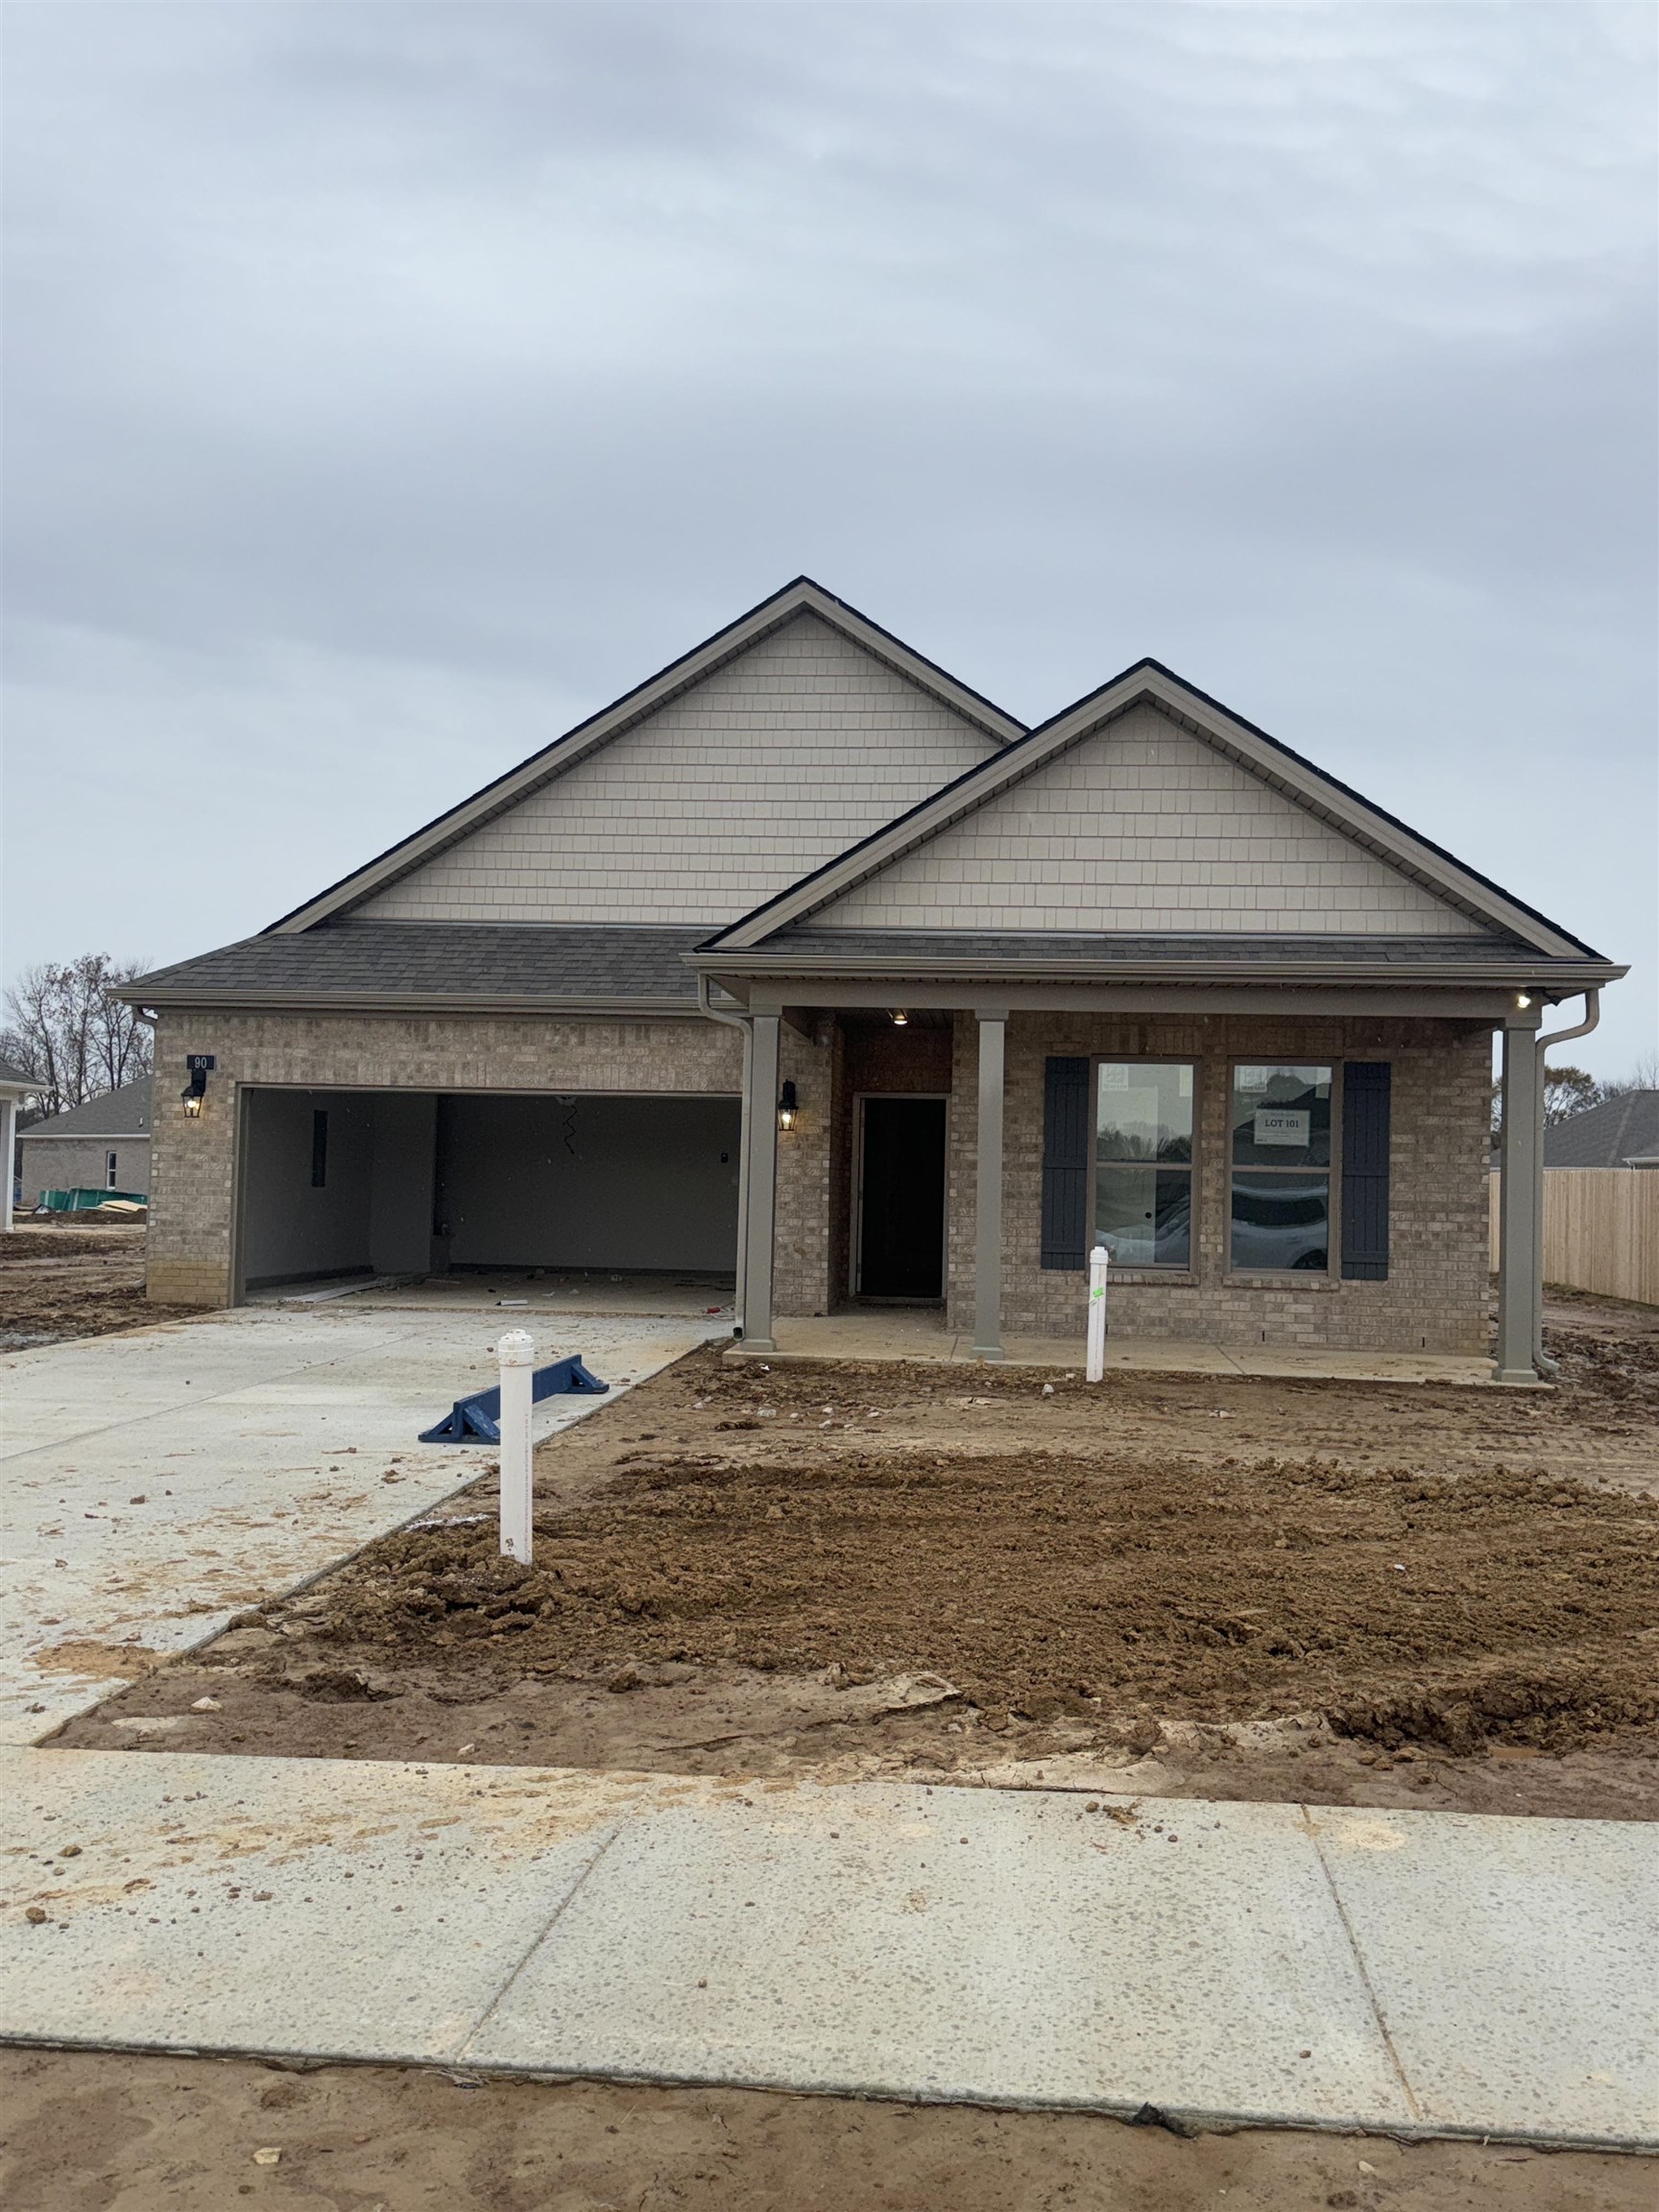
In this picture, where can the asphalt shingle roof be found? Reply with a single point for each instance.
(423, 961)
(123, 1113)
(1607, 1135)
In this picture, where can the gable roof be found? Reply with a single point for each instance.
(1607, 1136)
(123, 1113)
(13, 1078)
(801, 595)
(1148, 681)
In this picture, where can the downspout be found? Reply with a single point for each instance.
(1592, 1016)
(745, 1022)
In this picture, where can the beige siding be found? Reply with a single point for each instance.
(1143, 827)
(770, 766)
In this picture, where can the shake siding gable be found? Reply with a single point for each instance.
(1143, 827)
(773, 765)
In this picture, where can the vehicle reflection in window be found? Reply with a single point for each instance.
(1281, 1221)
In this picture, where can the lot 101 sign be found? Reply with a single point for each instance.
(1283, 1125)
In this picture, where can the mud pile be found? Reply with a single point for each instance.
(1496, 1606)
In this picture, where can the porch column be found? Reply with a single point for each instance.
(1520, 1209)
(9, 1140)
(760, 1186)
(988, 1191)
(9, 1137)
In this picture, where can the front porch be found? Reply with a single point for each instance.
(1288, 1182)
(923, 1336)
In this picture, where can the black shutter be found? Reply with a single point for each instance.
(1366, 1097)
(1065, 1162)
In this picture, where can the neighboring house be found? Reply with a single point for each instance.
(101, 1145)
(1619, 1133)
(15, 1087)
(803, 935)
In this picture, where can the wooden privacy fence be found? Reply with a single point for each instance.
(1600, 1229)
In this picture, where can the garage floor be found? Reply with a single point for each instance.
(706, 1297)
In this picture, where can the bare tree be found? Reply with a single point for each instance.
(1567, 1091)
(69, 1033)
(1642, 1076)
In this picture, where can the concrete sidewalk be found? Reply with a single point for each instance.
(1414, 1973)
(156, 1482)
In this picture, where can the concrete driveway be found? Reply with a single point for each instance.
(157, 1482)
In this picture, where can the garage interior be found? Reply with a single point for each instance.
(380, 1183)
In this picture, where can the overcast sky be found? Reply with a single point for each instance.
(391, 386)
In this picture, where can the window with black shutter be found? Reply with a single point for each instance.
(1065, 1163)
(1366, 1098)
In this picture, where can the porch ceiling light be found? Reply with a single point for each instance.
(899, 1017)
(1522, 998)
(786, 1107)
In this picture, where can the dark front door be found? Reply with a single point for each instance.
(902, 1200)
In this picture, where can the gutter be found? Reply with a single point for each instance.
(1592, 1016)
(230, 1000)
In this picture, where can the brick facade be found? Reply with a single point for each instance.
(1434, 1297)
(193, 1162)
(1436, 1293)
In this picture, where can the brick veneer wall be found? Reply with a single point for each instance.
(1435, 1296)
(192, 1177)
(804, 1246)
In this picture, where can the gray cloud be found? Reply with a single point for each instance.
(389, 386)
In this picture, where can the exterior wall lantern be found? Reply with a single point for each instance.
(786, 1107)
(200, 1065)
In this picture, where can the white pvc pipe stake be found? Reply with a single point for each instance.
(1100, 1263)
(516, 1354)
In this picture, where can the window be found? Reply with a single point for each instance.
(109, 1165)
(1282, 1169)
(319, 1149)
(1143, 1161)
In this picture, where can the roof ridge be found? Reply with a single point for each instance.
(801, 594)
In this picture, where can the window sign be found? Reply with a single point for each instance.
(1143, 1163)
(1283, 1125)
(1281, 1196)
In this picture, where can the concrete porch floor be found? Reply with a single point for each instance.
(898, 1334)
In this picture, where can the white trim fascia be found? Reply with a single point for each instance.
(67, 1136)
(586, 737)
(1271, 763)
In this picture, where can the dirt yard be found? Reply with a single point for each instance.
(60, 1283)
(95, 2131)
(1347, 1594)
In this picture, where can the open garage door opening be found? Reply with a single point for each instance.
(335, 1184)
